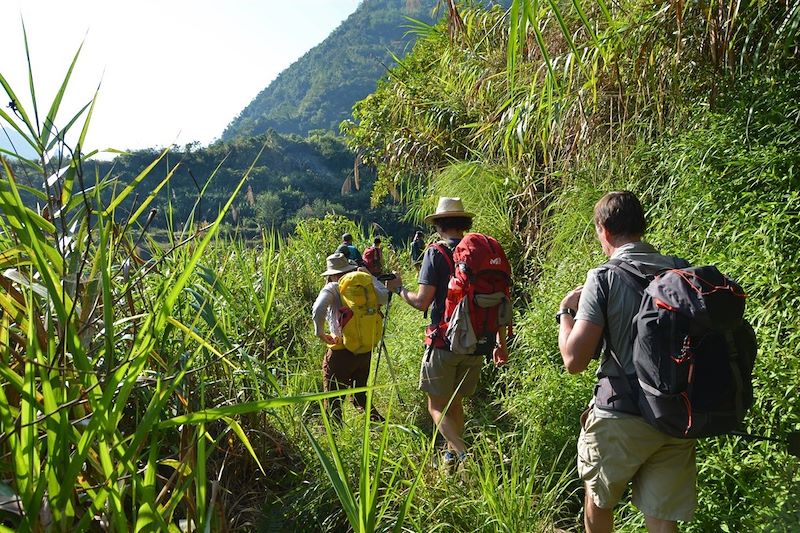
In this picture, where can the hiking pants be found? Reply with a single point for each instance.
(342, 369)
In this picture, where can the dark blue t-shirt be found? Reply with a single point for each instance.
(435, 271)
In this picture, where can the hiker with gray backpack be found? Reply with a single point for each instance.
(676, 363)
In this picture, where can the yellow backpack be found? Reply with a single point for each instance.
(361, 317)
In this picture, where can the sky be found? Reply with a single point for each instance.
(168, 71)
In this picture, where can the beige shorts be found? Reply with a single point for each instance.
(443, 372)
(661, 469)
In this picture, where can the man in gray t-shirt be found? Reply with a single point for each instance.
(621, 303)
(616, 447)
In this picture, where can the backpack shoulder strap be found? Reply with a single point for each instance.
(629, 273)
(633, 278)
(447, 253)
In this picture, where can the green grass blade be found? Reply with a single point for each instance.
(237, 429)
(49, 121)
(335, 472)
(132, 185)
(216, 413)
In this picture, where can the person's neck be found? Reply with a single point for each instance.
(452, 234)
(615, 243)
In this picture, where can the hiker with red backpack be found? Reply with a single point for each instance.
(676, 364)
(350, 304)
(465, 280)
(373, 258)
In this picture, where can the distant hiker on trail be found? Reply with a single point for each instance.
(373, 257)
(349, 302)
(417, 249)
(349, 250)
(455, 348)
(616, 445)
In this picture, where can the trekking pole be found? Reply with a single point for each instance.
(792, 440)
(391, 373)
(382, 346)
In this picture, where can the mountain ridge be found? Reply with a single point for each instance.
(318, 90)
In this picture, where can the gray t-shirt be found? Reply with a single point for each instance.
(623, 302)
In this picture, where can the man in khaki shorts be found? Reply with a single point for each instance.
(616, 446)
(446, 377)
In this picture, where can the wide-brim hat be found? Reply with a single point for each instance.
(448, 207)
(338, 264)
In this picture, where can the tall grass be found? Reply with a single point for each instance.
(122, 377)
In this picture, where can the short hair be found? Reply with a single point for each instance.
(377, 240)
(621, 213)
(453, 223)
(347, 237)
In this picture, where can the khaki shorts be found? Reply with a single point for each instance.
(661, 469)
(443, 372)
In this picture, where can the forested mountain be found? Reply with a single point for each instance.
(318, 90)
(292, 179)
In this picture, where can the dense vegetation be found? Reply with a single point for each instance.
(177, 389)
(289, 179)
(318, 90)
(696, 110)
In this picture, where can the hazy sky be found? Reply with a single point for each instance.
(169, 70)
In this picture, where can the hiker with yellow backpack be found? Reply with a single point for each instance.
(350, 303)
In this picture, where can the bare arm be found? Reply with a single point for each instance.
(577, 340)
(421, 299)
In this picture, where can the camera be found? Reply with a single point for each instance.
(386, 277)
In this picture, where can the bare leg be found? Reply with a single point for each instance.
(450, 422)
(656, 525)
(597, 519)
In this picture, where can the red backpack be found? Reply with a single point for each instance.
(478, 302)
(372, 259)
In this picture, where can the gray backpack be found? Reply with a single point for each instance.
(692, 349)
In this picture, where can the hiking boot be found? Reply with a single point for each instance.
(451, 460)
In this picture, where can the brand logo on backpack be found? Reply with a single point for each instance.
(693, 351)
(478, 301)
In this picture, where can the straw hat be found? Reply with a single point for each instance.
(448, 207)
(338, 264)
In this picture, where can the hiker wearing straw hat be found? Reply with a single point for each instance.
(448, 374)
(347, 360)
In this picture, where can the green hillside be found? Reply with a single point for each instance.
(318, 90)
(289, 179)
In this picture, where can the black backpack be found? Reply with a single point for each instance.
(692, 349)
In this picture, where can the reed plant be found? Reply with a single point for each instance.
(116, 408)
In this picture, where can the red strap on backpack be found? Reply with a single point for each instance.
(435, 334)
